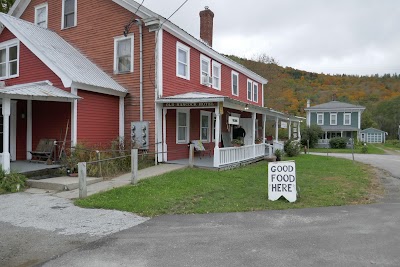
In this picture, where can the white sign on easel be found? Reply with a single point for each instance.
(282, 180)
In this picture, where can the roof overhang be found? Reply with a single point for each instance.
(41, 91)
(197, 97)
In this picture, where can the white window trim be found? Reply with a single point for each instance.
(116, 40)
(255, 85)
(75, 15)
(186, 141)
(6, 45)
(208, 115)
(216, 64)
(330, 118)
(180, 46)
(344, 118)
(46, 5)
(251, 90)
(208, 60)
(320, 114)
(234, 73)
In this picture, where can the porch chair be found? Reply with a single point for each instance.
(200, 149)
(44, 150)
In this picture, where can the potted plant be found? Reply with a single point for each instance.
(278, 154)
(258, 140)
(237, 142)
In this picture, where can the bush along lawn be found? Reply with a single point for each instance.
(323, 181)
(370, 149)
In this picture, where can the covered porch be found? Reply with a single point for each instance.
(187, 118)
(31, 112)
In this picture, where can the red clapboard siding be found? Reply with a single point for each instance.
(175, 85)
(98, 118)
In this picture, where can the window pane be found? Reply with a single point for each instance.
(41, 14)
(124, 48)
(182, 69)
(69, 6)
(204, 133)
(124, 64)
(124, 55)
(13, 68)
(13, 53)
(182, 56)
(216, 82)
(255, 93)
(181, 119)
(249, 90)
(3, 69)
(182, 133)
(69, 20)
(204, 66)
(3, 55)
(204, 121)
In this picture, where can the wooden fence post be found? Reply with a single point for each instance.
(134, 165)
(82, 179)
(191, 155)
(99, 163)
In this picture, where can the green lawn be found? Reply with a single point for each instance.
(372, 149)
(323, 181)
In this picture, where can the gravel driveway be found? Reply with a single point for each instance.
(38, 227)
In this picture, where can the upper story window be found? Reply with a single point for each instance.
(320, 118)
(255, 92)
(249, 90)
(205, 127)
(69, 13)
(205, 70)
(347, 119)
(216, 73)
(333, 119)
(123, 54)
(235, 83)
(9, 59)
(41, 15)
(182, 127)
(182, 61)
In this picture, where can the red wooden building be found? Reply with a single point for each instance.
(117, 69)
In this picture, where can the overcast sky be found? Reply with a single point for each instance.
(329, 36)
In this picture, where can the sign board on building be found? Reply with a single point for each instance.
(233, 120)
(283, 124)
(282, 180)
(197, 104)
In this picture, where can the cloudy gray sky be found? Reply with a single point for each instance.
(329, 36)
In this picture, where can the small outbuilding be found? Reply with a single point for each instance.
(372, 135)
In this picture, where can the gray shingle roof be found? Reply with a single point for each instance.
(335, 105)
(61, 57)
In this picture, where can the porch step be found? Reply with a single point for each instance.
(64, 183)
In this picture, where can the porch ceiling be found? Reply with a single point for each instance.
(43, 91)
(195, 97)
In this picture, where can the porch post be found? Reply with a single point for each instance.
(264, 118)
(298, 130)
(6, 134)
(121, 119)
(253, 129)
(290, 129)
(159, 132)
(28, 129)
(164, 132)
(276, 128)
(74, 118)
(217, 135)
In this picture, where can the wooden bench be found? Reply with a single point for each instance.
(199, 148)
(44, 150)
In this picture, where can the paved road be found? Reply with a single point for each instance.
(366, 235)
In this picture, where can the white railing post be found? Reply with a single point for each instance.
(191, 155)
(82, 179)
(134, 165)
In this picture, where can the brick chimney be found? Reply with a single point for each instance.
(206, 25)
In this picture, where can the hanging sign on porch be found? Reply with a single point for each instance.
(233, 120)
(283, 124)
(196, 104)
(282, 180)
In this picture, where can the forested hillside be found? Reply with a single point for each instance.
(288, 90)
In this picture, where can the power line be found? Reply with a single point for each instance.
(174, 12)
(127, 27)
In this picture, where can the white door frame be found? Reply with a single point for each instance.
(13, 131)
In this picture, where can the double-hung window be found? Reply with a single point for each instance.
(41, 15)
(69, 14)
(205, 70)
(123, 54)
(216, 73)
(255, 92)
(9, 59)
(249, 90)
(347, 119)
(235, 83)
(205, 127)
(182, 127)
(182, 61)
(333, 120)
(320, 118)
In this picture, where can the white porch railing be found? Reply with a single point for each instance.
(230, 155)
(323, 141)
(278, 145)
